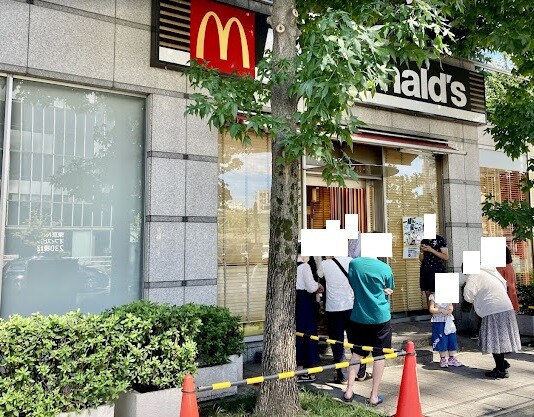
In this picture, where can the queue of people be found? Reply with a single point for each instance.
(356, 294)
(357, 303)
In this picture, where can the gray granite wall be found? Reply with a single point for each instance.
(106, 44)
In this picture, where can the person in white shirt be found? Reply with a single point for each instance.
(498, 332)
(306, 319)
(338, 306)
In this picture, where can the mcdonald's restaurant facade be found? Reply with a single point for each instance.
(110, 193)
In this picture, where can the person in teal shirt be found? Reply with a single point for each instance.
(372, 282)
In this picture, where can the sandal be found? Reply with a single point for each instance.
(380, 401)
(365, 378)
(348, 400)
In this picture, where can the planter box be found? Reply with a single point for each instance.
(162, 403)
(525, 324)
(102, 411)
(232, 371)
(167, 403)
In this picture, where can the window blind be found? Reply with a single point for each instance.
(412, 192)
(506, 185)
(243, 225)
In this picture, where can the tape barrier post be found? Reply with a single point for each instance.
(189, 407)
(409, 404)
(291, 374)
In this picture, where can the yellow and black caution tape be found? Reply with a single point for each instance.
(291, 374)
(346, 344)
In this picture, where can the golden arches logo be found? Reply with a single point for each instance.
(224, 35)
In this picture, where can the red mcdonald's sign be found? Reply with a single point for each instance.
(223, 36)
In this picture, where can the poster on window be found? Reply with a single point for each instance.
(412, 234)
(52, 242)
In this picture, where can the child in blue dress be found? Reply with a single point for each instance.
(445, 344)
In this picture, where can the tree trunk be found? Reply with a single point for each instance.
(280, 398)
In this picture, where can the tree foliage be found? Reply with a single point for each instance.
(500, 26)
(341, 57)
(486, 28)
(324, 60)
(510, 105)
(342, 51)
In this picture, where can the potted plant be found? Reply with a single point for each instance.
(220, 347)
(525, 318)
(174, 342)
(161, 353)
(60, 365)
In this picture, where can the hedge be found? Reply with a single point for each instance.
(53, 364)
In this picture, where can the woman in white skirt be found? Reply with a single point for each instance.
(498, 333)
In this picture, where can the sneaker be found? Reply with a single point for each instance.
(495, 373)
(306, 378)
(444, 363)
(454, 362)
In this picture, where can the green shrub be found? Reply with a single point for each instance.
(217, 334)
(220, 336)
(163, 350)
(525, 295)
(53, 364)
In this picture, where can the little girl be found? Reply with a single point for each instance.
(441, 342)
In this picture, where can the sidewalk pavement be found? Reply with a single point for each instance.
(462, 391)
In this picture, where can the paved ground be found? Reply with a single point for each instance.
(446, 392)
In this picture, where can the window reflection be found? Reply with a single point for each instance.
(73, 226)
(243, 225)
(411, 192)
(2, 115)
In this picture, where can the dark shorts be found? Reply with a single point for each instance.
(375, 335)
(427, 279)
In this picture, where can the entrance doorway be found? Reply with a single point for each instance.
(332, 203)
(364, 196)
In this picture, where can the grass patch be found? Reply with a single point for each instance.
(314, 405)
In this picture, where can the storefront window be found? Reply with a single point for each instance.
(411, 192)
(506, 185)
(74, 215)
(243, 226)
(2, 115)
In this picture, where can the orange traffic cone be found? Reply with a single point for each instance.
(409, 404)
(189, 406)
